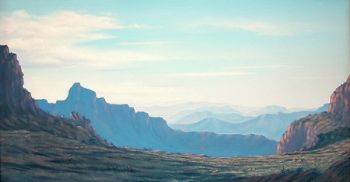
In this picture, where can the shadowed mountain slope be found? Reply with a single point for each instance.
(123, 126)
(14, 98)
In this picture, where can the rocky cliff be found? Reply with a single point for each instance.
(303, 134)
(18, 110)
(14, 98)
(340, 103)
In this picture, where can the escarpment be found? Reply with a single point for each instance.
(14, 98)
(303, 134)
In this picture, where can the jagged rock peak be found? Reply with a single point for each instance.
(76, 85)
(78, 92)
(14, 99)
(4, 49)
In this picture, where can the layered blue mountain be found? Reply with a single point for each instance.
(269, 125)
(201, 115)
(123, 126)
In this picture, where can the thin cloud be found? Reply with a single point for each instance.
(260, 67)
(210, 74)
(255, 26)
(148, 43)
(54, 39)
(236, 71)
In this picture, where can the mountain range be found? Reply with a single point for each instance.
(123, 126)
(269, 125)
(194, 117)
(37, 146)
(191, 112)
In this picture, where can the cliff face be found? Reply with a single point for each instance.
(303, 134)
(14, 99)
(18, 110)
(340, 103)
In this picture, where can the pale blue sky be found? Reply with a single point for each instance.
(253, 53)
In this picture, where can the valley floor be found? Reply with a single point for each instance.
(41, 156)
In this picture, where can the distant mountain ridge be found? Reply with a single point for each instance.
(270, 125)
(85, 102)
(272, 109)
(123, 126)
(179, 113)
(194, 117)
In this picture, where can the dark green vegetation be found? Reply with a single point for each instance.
(35, 153)
(303, 134)
(336, 135)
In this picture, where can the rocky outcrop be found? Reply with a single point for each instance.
(76, 116)
(18, 110)
(14, 99)
(340, 103)
(303, 134)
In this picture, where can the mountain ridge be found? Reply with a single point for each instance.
(260, 125)
(123, 126)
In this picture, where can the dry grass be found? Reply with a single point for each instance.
(41, 156)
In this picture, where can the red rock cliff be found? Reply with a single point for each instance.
(302, 134)
(14, 99)
(340, 103)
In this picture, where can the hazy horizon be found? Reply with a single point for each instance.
(290, 53)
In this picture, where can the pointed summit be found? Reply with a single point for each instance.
(14, 99)
(78, 92)
(76, 85)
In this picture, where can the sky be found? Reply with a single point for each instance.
(292, 53)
